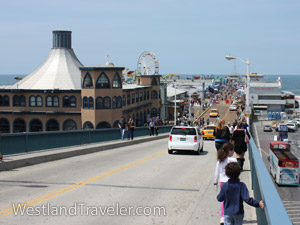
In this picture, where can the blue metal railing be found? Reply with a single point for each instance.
(263, 187)
(28, 142)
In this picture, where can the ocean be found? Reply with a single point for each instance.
(288, 82)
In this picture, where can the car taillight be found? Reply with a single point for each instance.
(202, 132)
(170, 137)
(195, 139)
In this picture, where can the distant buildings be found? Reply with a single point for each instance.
(62, 94)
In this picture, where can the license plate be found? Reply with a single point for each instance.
(182, 139)
(209, 132)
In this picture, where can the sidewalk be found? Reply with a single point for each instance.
(205, 209)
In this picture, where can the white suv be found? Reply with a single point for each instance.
(185, 138)
(292, 127)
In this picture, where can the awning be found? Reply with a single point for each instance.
(260, 107)
(177, 101)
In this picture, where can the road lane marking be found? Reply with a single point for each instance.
(77, 185)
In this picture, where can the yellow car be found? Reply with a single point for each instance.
(208, 131)
(213, 113)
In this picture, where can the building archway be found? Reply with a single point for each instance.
(103, 125)
(19, 125)
(35, 125)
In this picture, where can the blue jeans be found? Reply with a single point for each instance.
(233, 219)
(122, 133)
(130, 134)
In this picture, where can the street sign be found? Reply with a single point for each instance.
(248, 111)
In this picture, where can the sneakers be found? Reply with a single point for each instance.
(222, 221)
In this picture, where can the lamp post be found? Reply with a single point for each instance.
(248, 109)
(175, 106)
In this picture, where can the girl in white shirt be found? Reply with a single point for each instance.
(224, 157)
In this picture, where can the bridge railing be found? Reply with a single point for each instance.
(263, 187)
(35, 141)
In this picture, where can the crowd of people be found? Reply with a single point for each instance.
(231, 139)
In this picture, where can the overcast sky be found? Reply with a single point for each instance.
(188, 37)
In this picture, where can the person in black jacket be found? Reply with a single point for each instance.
(240, 147)
(221, 134)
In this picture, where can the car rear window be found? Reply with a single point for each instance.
(209, 128)
(184, 131)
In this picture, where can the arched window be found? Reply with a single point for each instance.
(69, 101)
(117, 81)
(19, 101)
(128, 99)
(133, 98)
(87, 81)
(116, 124)
(107, 103)
(85, 103)
(32, 101)
(55, 101)
(119, 102)
(91, 103)
(154, 82)
(102, 81)
(153, 94)
(87, 125)
(49, 101)
(147, 95)
(52, 125)
(153, 112)
(73, 101)
(114, 102)
(69, 125)
(137, 97)
(99, 103)
(35, 125)
(103, 125)
(39, 101)
(141, 96)
(19, 125)
(4, 125)
(124, 100)
(35, 101)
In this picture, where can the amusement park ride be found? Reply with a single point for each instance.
(147, 65)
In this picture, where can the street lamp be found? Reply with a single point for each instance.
(248, 110)
(175, 106)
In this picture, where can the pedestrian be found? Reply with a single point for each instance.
(130, 129)
(234, 193)
(230, 127)
(245, 124)
(207, 121)
(221, 134)
(156, 128)
(151, 127)
(234, 123)
(218, 118)
(240, 146)
(224, 156)
(122, 126)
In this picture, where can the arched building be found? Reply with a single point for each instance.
(62, 94)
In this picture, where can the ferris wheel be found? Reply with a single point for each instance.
(147, 64)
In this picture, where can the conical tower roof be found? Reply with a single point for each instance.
(59, 71)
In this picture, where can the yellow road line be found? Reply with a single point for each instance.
(78, 185)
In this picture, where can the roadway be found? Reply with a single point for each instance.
(126, 185)
(290, 195)
(133, 176)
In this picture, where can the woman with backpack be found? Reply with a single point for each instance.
(221, 134)
(239, 140)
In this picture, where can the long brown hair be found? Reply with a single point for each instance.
(224, 151)
(220, 125)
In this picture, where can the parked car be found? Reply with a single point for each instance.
(185, 138)
(268, 128)
(213, 113)
(208, 132)
(232, 107)
(292, 127)
(295, 122)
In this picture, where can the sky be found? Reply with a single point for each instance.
(187, 37)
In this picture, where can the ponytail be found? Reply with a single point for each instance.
(223, 152)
